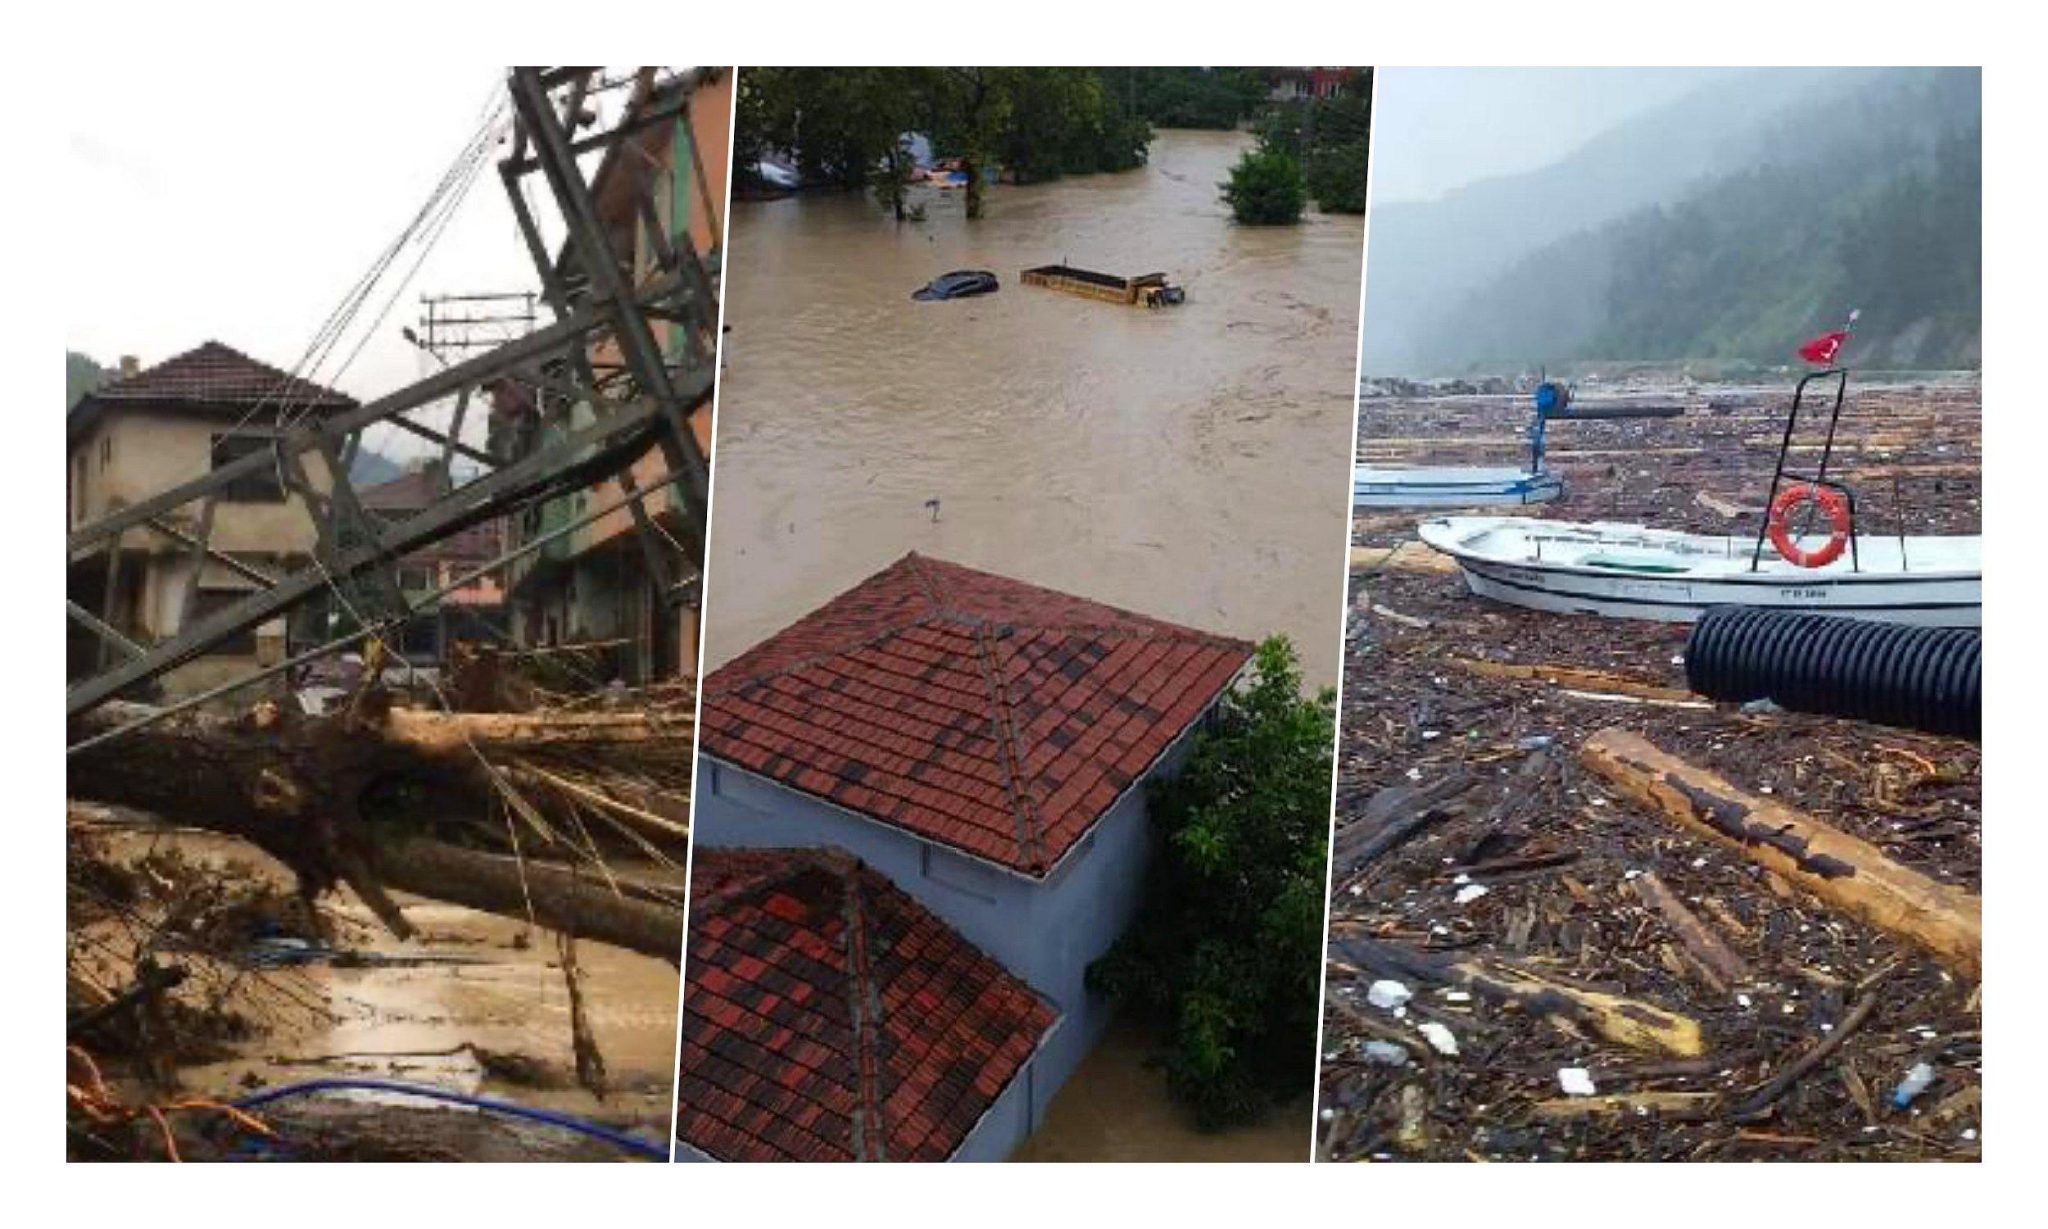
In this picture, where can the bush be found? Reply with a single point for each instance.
(1266, 189)
(1226, 957)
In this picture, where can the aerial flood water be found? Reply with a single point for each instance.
(1188, 462)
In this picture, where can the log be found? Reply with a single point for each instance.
(361, 798)
(1845, 871)
(1624, 1021)
(1692, 1106)
(1720, 962)
(1404, 557)
(1576, 676)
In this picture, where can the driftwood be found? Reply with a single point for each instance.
(1669, 1106)
(372, 797)
(1849, 873)
(1715, 958)
(1605, 681)
(1619, 1019)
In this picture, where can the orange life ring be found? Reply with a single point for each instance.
(1832, 505)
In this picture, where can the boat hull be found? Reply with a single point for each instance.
(1943, 597)
(1455, 487)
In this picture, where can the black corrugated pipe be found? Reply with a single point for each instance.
(1916, 678)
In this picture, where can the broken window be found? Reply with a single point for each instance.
(263, 486)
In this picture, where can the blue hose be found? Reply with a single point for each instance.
(569, 1122)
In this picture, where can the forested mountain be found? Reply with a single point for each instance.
(1809, 193)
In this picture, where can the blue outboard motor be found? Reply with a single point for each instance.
(1552, 397)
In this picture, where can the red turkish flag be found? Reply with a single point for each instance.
(1823, 349)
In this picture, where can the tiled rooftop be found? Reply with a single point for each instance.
(986, 714)
(827, 1016)
(218, 376)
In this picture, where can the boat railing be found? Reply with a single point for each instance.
(1818, 478)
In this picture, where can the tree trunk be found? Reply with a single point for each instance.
(354, 798)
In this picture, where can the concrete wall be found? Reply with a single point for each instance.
(1045, 932)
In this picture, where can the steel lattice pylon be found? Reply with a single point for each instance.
(642, 401)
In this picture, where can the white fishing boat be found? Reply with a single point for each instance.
(1457, 486)
(1632, 572)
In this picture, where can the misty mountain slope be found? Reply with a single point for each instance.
(1426, 257)
(1867, 198)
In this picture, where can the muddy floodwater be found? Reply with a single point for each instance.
(1115, 1109)
(475, 1004)
(1187, 462)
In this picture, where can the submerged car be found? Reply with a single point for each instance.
(959, 284)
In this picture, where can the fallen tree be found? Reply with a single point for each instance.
(498, 812)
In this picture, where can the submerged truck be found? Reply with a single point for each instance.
(1149, 289)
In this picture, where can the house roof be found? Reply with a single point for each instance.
(827, 1016)
(209, 378)
(989, 715)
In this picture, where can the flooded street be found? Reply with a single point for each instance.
(1190, 463)
(476, 1004)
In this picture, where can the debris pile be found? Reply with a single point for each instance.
(1581, 913)
(228, 875)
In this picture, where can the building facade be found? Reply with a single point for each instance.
(151, 429)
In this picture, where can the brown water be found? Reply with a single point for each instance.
(1116, 1109)
(1191, 463)
(493, 983)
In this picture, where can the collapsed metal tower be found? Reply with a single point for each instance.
(638, 397)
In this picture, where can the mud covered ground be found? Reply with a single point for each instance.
(274, 994)
(1559, 853)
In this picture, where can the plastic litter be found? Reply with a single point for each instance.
(1439, 1037)
(1576, 1081)
(1388, 994)
(1916, 1082)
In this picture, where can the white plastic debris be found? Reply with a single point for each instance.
(1387, 994)
(1576, 1081)
(1742, 1000)
(1386, 1053)
(1457, 996)
(1439, 1038)
(1469, 893)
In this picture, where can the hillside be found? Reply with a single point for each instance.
(1821, 192)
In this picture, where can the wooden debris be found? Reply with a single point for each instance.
(1668, 1105)
(1849, 873)
(1621, 1020)
(1408, 556)
(1599, 681)
(1715, 957)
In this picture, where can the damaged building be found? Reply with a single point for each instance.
(155, 427)
(619, 583)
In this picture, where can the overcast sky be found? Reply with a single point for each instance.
(242, 205)
(1434, 129)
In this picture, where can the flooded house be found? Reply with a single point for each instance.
(983, 745)
(150, 429)
(615, 581)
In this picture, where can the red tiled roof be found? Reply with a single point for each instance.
(214, 375)
(827, 1016)
(980, 712)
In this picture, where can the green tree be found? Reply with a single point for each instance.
(1266, 188)
(81, 376)
(1226, 956)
